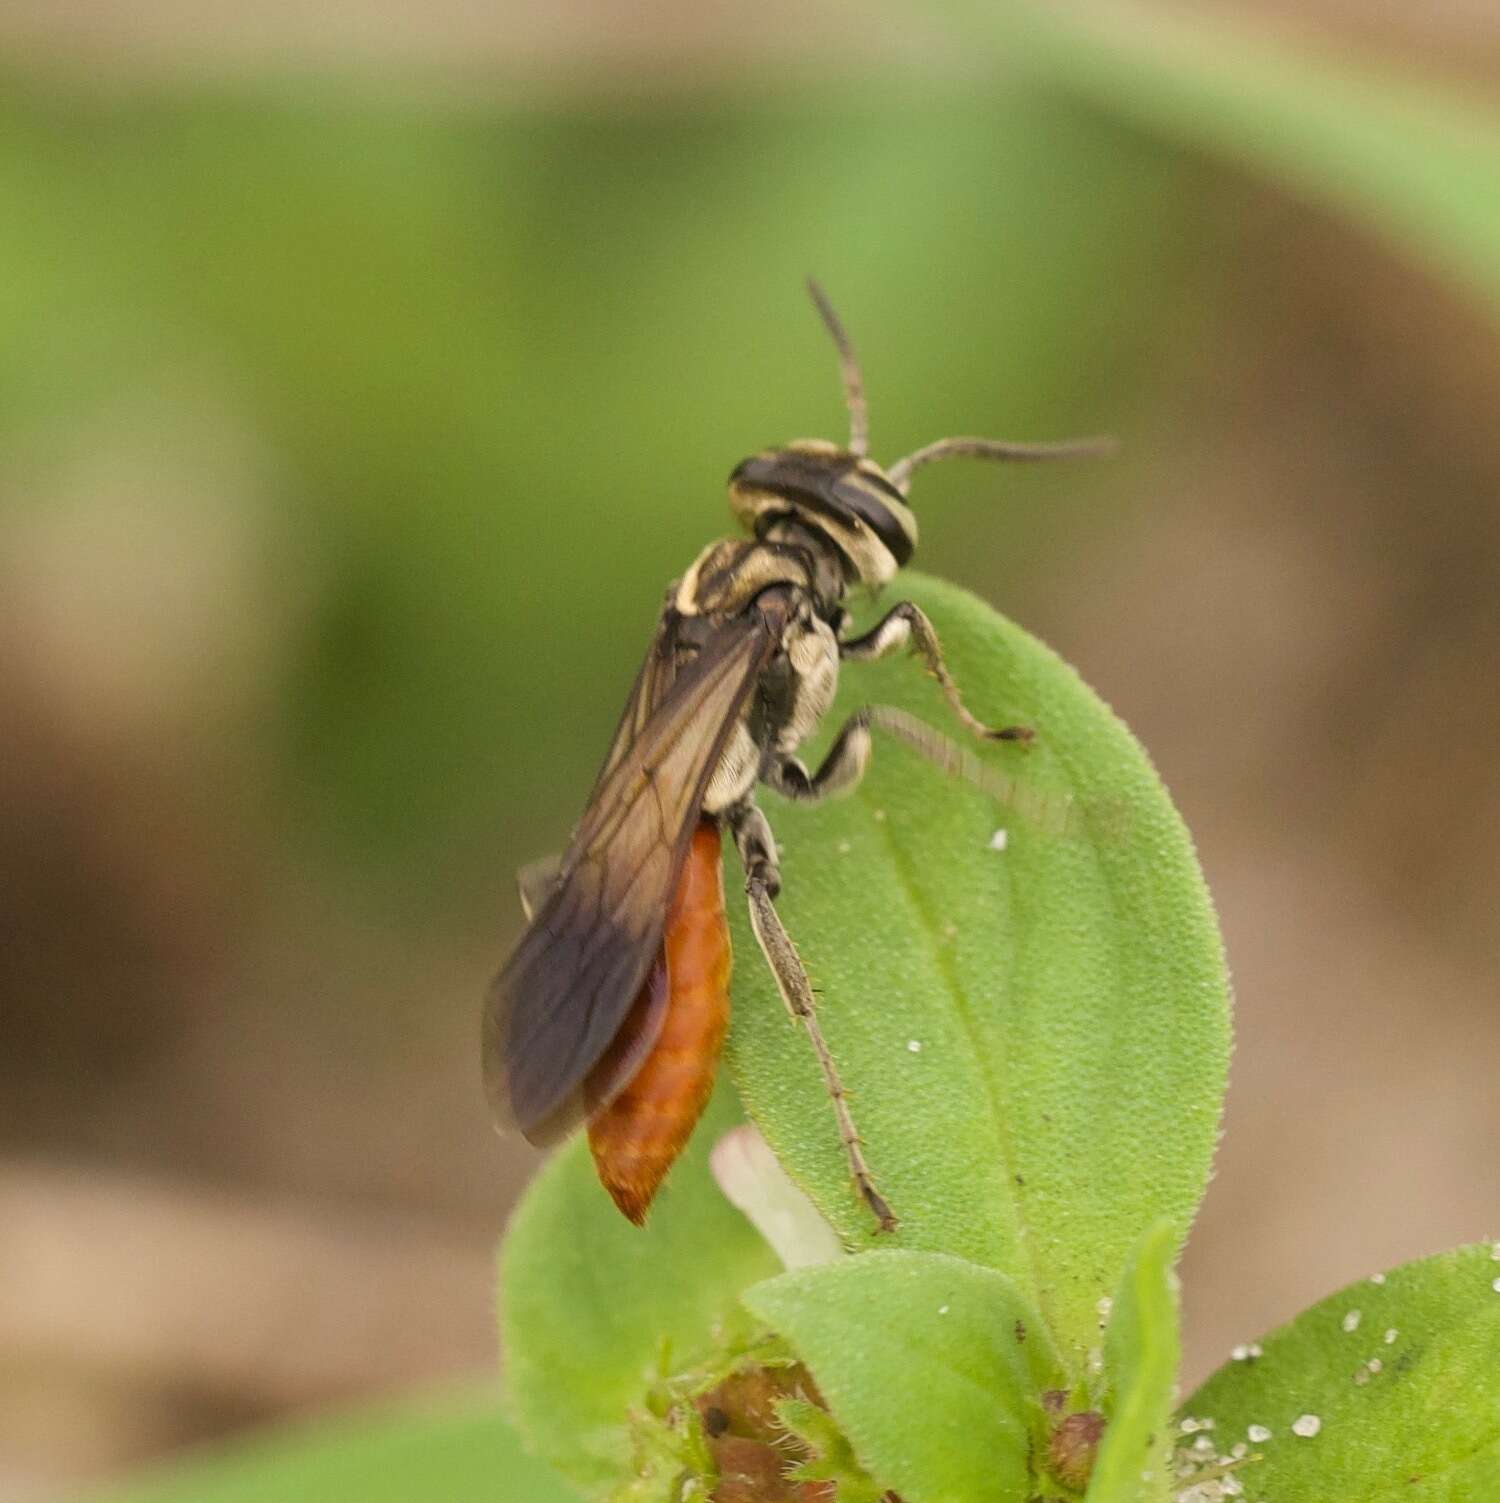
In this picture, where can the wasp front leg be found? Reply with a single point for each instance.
(906, 625)
(757, 848)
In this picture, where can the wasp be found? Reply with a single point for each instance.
(613, 1007)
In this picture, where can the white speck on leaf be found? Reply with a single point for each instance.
(878, 815)
(1377, 1278)
(914, 1046)
(1306, 1425)
(1105, 1305)
(1258, 1434)
(1375, 1364)
(1351, 1321)
(999, 840)
(844, 848)
(1390, 1336)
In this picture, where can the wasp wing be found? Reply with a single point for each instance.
(652, 684)
(569, 986)
(643, 1022)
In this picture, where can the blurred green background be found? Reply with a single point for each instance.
(364, 377)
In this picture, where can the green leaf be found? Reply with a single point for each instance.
(1417, 160)
(462, 1453)
(1140, 1365)
(1034, 1039)
(593, 1310)
(931, 1366)
(833, 1458)
(1400, 1376)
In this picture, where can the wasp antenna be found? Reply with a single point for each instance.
(994, 448)
(854, 385)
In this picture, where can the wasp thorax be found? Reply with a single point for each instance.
(847, 498)
(727, 576)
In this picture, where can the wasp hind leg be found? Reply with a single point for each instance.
(757, 848)
(905, 625)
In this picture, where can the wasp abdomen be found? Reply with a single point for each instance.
(637, 1137)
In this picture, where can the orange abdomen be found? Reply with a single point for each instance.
(637, 1137)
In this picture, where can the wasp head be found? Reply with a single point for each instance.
(845, 497)
(842, 495)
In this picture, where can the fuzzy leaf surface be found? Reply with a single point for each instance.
(931, 1366)
(1034, 1038)
(1413, 1415)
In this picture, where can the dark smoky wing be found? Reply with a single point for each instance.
(653, 682)
(565, 992)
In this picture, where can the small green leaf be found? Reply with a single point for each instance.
(1140, 1366)
(462, 1453)
(1388, 1390)
(594, 1310)
(833, 1458)
(1033, 1037)
(931, 1366)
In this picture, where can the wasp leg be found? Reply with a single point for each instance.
(757, 848)
(905, 624)
(850, 753)
(849, 756)
(839, 772)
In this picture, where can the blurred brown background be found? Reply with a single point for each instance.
(364, 376)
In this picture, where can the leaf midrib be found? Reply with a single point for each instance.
(988, 1059)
